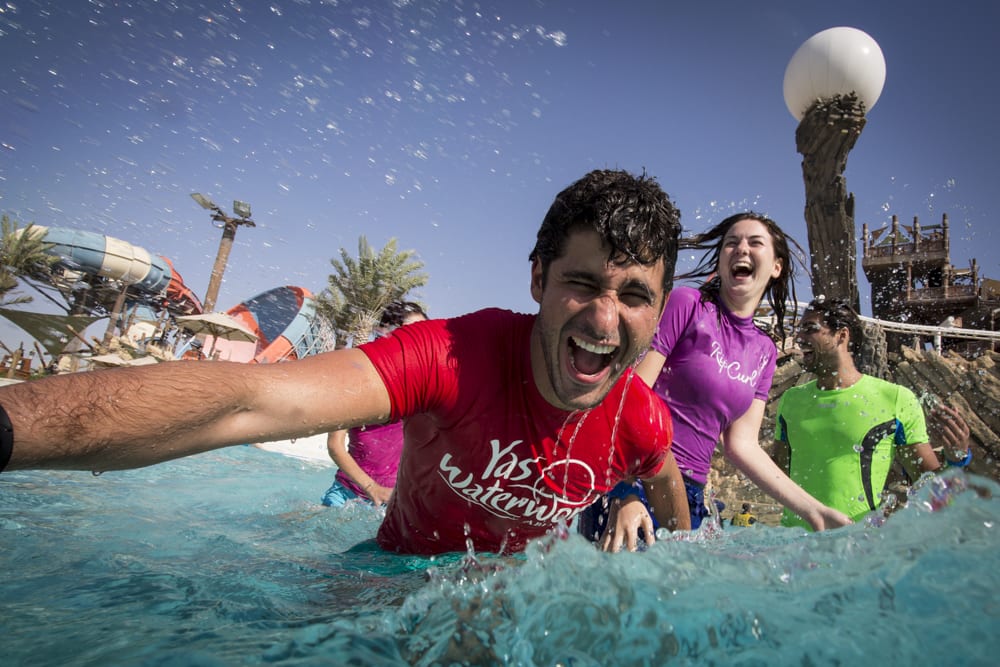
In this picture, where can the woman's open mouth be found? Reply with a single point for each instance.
(742, 269)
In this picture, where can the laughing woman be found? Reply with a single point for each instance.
(713, 367)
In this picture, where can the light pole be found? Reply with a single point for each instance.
(229, 225)
(831, 81)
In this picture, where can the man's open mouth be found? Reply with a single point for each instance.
(590, 358)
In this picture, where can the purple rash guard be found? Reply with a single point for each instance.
(715, 367)
(376, 449)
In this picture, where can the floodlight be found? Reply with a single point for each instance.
(203, 201)
(241, 208)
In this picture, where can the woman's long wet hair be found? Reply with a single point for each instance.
(778, 289)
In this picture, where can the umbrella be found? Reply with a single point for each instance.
(216, 325)
(113, 359)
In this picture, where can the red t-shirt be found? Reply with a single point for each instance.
(486, 459)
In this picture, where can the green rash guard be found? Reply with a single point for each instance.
(842, 442)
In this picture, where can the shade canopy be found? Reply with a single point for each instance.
(52, 331)
(218, 325)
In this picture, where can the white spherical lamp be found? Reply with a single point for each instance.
(837, 61)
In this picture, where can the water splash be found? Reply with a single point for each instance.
(225, 558)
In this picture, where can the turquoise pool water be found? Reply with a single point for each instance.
(228, 559)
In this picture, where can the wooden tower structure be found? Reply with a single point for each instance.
(913, 281)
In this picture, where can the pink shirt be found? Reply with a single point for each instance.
(376, 450)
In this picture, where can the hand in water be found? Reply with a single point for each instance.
(625, 518)
(379, 494)
(826, 518)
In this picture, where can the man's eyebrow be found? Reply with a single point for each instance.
(579, 274)
(587, 276)
(639, 285)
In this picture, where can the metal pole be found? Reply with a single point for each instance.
(116, 312)
(225, 245)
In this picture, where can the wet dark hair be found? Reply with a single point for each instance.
(838, 314)
(778, 289)
(634, 216)
(397, 311)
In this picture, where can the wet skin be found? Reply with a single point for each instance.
(595, 318)
(818, 344)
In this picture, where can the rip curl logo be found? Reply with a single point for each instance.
(511, 487)
(732, 368)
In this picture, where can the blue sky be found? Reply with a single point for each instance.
(451, 125)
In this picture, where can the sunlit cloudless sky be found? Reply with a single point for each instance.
(452, 125)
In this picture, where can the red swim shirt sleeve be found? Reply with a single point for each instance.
(649, 430)
(415, 366)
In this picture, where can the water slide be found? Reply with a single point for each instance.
(82, 252)
(284, 318)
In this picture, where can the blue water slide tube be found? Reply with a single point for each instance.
(108, 257)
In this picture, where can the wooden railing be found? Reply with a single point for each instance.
(925, 247)
(942, 293)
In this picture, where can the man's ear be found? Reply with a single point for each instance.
(537, 280)
(844, 336)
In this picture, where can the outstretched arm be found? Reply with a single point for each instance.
(133, 417)
(742, 448)
(336, 445)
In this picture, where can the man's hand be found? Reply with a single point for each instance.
(949, 430)
(625, 518)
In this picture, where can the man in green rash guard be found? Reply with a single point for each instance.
(837, 436)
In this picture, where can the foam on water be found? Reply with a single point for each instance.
(227, 558)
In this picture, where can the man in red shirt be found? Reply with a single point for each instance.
(513, 423)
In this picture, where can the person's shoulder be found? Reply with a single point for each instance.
(683, 296)
(799, 392)
(638, 395)
(504, 333)
(492, 315)
(491, 319)
(634, 407)
(872, 383)
(889, 393)
(907, 394)
(764, 340)
(683, 304)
